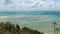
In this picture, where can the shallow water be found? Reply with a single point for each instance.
(39, 20)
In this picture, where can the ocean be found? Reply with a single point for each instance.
(37, 20)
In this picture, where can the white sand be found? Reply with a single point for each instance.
(48, 33)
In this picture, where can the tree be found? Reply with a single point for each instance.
(54, 23)
(17, 27)
(8, 26)
(57, 29)
(18, 30)
(2, 23)
(25, 28)
(31, 31)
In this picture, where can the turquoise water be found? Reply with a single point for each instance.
(30, 12)
(39, 20)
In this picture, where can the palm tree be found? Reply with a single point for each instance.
(57, 29)
(54, 23)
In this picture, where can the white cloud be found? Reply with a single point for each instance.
(29, 4)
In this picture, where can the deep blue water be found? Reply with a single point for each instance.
(31, 13)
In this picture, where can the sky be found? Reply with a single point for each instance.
(29, 5)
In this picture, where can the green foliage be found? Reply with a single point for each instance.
(8, 26)
(30, 31)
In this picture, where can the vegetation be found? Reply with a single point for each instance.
(56, 30)
(30, 31)
(54, 23)
(15, 29)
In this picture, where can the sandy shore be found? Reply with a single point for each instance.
(48, 33)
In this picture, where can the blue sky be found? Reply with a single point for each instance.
(30, 5)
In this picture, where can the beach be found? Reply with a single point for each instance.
(41, 21)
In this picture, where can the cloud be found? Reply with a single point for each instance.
(57, 0)
(29, 4)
